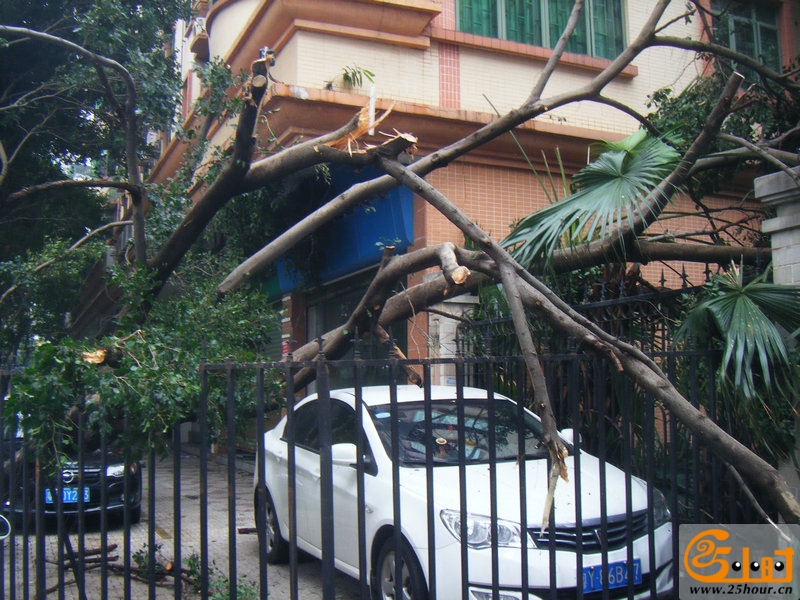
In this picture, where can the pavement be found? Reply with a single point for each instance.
(220, 543)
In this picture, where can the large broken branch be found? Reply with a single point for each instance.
(507, 268)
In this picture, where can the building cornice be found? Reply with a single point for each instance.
(295, 113)
(399, 22)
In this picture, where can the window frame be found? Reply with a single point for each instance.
(726, 20)
(306, 429)
(306, 424)
(547, 25)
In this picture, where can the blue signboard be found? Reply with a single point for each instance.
(360, 234)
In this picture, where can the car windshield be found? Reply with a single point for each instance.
(441, 438)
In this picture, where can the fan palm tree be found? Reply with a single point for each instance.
(606, 193)
(754, 322)
(613, 189)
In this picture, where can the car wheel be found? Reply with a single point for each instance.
(412, 584)
(277, 547)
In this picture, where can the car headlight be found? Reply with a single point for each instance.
(118, 470)
(479, 531)
(661, 512)
(115, 470)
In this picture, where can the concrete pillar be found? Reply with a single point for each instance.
(780, 191)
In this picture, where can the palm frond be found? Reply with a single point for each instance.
(610, 190)
(749, 319)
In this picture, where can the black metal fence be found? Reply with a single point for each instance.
(199, 523)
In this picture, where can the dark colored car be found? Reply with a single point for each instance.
(82, 483)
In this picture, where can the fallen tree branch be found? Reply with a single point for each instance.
(71, 183)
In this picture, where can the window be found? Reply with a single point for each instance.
(306, 425)
(540, 23)
(440, 438)
(750, 28)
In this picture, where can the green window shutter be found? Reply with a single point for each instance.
(770, 49)
(558, 13)
(524, 21)
(478, 17)
(743, 36)
(607, 25)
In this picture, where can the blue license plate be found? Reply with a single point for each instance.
(616, 575)
(68, 495)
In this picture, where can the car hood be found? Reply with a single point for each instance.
(446, 490)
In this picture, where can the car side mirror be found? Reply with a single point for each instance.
(344, 455)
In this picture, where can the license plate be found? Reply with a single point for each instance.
(68, 495)
(617, 575)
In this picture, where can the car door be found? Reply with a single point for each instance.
(345, 486)
(308, 479)
(307, 474)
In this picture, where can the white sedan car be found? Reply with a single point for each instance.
(456, 442)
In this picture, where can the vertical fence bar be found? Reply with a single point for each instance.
(521, 381)
(492, 440)
(291, 468)
(152, 548)
(6, 453)
(230, 417)
(26, 524)
(361, 449)
(204, 578)
(627, 453)
(462, 477)
(429, 484)
(712, 410)
(674, 448)
(56, 489)
(103, 512)
(573, 399)
(261, 488)
(696, 470)
(599, 392)
(395, 456)
(177, 450)
(38, 502)
(79, 569)
(649, 451)
(126, 539)
(326, 480)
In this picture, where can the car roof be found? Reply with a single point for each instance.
(377, 395)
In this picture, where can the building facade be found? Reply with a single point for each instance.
(446, 67)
